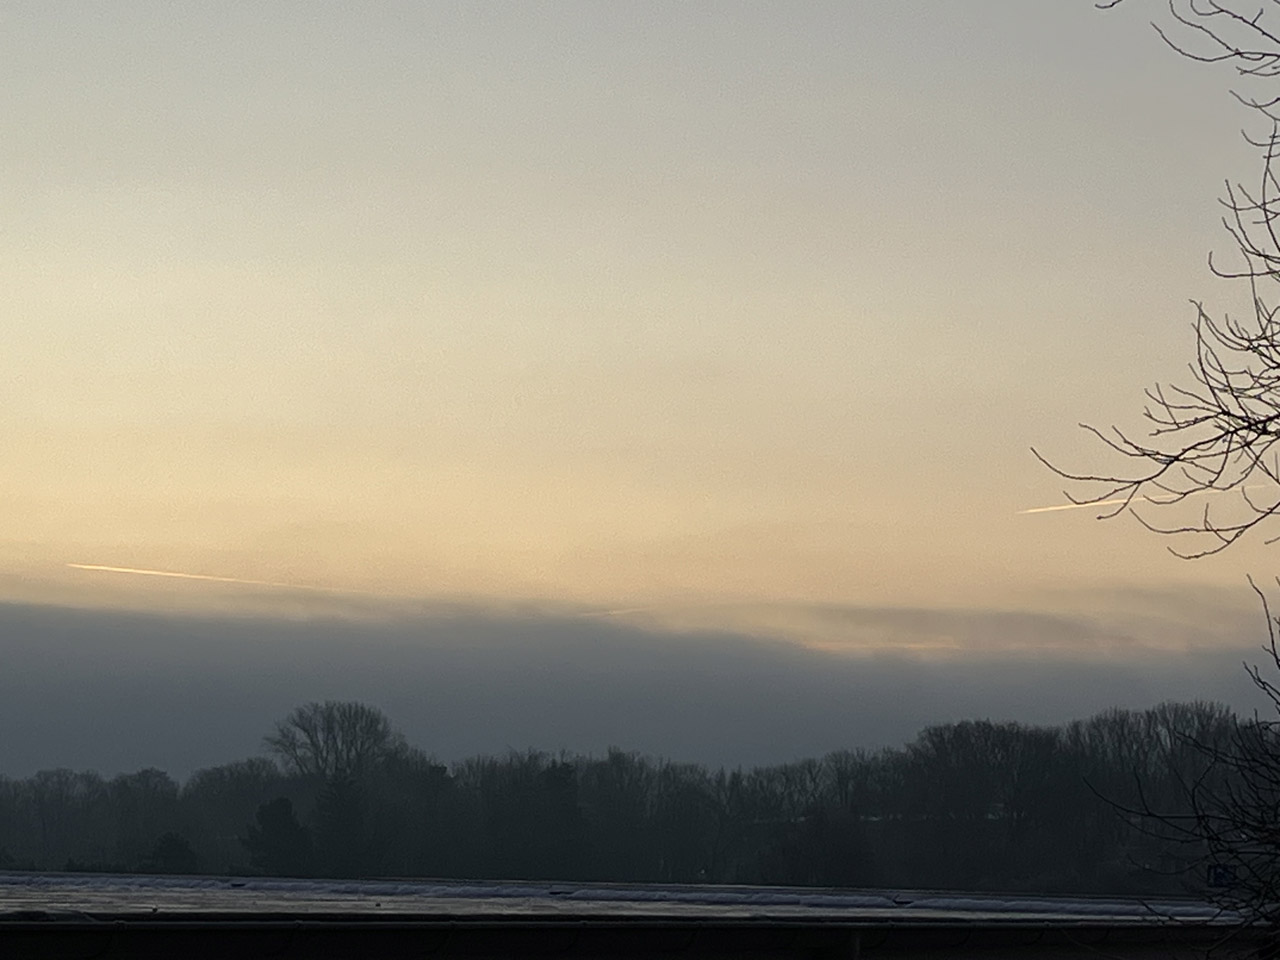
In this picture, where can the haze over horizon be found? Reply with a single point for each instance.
(116, 691)
(663, 321)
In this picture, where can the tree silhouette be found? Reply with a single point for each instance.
(334, 740)
(172, 854)
(278, 844)
(967, 805)
(342, 832)
(1212, 441)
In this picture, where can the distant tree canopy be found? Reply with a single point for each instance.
(278, 845)
(171, 854)
(334, 740)
(970, 805)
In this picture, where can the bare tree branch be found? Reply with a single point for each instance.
(1214, 436)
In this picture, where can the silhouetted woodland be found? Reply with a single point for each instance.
(971, 805)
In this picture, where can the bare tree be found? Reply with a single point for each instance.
(1207, 472)
(334, 740)
(1217, 432)
(1222, 816)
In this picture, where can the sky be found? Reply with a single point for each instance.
(735, 319)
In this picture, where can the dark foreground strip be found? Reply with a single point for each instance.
(79, 938)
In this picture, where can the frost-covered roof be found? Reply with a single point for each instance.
(30, 894)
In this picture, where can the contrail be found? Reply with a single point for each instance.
(174, 574)
(1069, 506)
(1115, 503)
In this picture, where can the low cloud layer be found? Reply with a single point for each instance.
(117, 691)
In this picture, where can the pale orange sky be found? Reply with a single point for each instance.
(744, 309)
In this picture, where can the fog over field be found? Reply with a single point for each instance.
(116, 691)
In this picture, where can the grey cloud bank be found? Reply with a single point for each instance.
(117, 691)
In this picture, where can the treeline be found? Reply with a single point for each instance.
(972, 805)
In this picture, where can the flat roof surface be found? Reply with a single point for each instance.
(107, 915)
(130, 895)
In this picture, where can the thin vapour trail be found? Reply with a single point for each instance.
(1068, 506)
(210, 578)
(1115, 503)
(178, 575)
